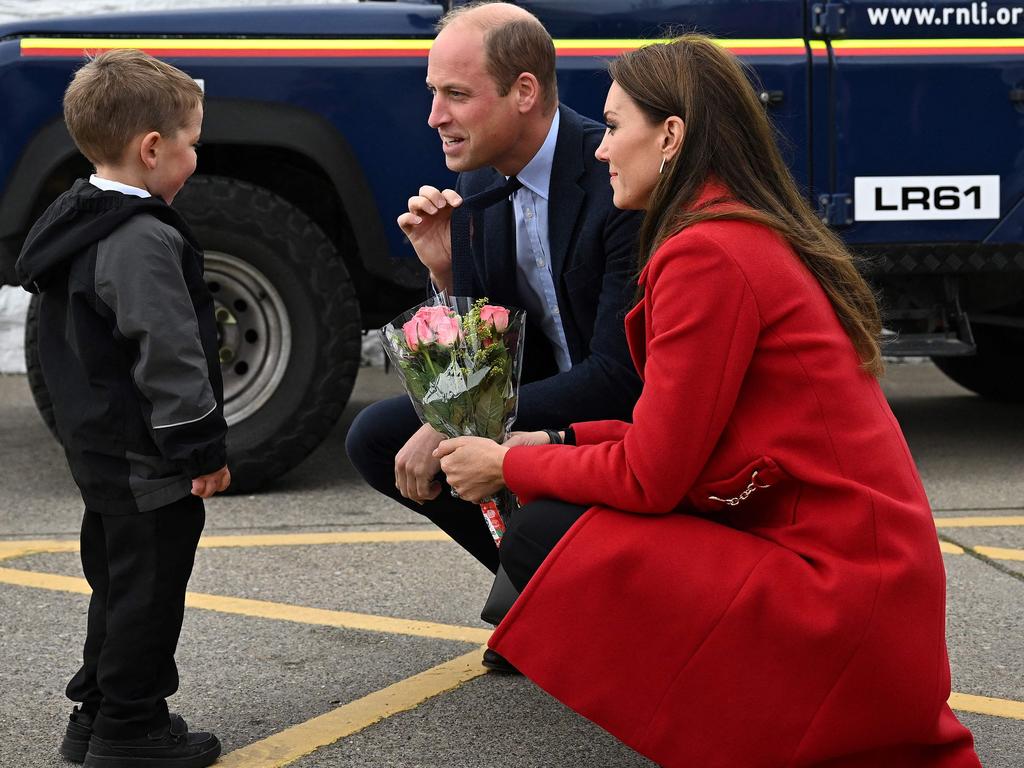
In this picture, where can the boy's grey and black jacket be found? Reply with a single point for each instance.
(128, 347)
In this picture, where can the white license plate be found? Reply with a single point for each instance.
(925, 198)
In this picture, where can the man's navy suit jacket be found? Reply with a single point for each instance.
(593, 263)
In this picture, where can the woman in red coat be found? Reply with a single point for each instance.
(748, 574)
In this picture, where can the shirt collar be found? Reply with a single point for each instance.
(536, 176)
(110, 185)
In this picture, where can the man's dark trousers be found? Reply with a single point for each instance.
(138, 566)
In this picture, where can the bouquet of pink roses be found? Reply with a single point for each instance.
(460, 361)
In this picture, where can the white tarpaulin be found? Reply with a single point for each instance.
(13, 305)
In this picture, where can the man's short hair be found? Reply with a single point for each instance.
(511, 47)
(122, 93)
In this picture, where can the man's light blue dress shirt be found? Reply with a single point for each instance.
(534, 281)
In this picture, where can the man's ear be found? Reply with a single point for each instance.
(527, 91)
(148, 149)
(674, 132)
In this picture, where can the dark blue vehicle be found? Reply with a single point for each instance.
(904, 121)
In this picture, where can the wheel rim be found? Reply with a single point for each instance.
(253, 330)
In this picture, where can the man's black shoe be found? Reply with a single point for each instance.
(76, 736)
(495, 662)
(170, 747)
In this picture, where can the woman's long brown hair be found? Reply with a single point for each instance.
(729, 138)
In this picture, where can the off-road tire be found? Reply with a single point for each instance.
(996, 372)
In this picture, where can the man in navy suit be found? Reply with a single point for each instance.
(557, 247)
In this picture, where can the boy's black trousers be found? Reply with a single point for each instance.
(138, 566)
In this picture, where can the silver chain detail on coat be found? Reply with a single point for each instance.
(735, 500)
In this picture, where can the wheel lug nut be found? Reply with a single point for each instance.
(224, 316)
(226, 355)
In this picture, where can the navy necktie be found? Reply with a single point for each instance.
(461, 223)
(492, 195)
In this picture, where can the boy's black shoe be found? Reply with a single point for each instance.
(170, 747)
(76, 736)
(79, 731)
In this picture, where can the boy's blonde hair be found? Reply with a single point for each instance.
(122, 93)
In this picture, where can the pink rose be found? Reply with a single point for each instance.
(434, 316)
(417, 332)
(448, 330)
(496, 317)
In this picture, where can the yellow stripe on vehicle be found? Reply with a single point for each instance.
(276, 47)
(931, 43)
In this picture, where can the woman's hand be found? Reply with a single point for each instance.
(472, 466)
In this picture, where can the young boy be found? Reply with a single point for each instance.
(128, 349)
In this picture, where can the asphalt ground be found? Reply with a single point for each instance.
(330, 627)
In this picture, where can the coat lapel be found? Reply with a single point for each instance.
(636, 336)
(565, 195)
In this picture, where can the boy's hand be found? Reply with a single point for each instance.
(205, 486)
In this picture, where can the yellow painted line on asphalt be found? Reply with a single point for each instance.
(293, 743)
(978, 522)
(50, 581)
(11, 549)
(296, 742)
(268, 610)
(986, 705)
(322, 617)
(14, 549)
(995, 553)
(1000, 553)
(370, 709)
(293, 539)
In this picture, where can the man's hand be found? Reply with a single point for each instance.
(205, 486)
(473, 466)
(527, 438)
(416, 467)
(427, 225)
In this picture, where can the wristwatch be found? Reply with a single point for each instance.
(556, 439)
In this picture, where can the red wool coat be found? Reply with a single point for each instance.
(758, 581)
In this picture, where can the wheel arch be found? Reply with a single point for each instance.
(286, 130)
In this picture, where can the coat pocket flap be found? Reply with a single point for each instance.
(751, 481)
